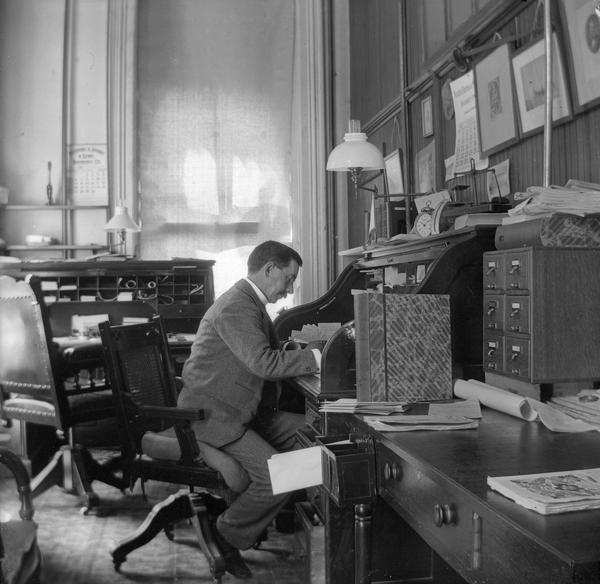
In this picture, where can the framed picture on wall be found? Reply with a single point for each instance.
(393, 173)
(427, 116)
(495, 104)
(529, 69)
(583, 28)
(425, 168)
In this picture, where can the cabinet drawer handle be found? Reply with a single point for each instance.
(443, 514)
(391, 471)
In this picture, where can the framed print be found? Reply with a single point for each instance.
(393, 173)
(427, 117)
(583, 28)
(529, 69)
(495, 104)
(425, 168)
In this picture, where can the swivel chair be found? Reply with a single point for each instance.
(158, 443)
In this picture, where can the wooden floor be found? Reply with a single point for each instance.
(76, 548)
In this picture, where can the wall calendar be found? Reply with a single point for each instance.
(87, 174)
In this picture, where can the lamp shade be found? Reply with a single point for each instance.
(355, 152)
(121, 221)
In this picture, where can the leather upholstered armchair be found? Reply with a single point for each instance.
(33, 390)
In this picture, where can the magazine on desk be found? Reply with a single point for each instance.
(552, 492)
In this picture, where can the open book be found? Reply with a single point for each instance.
(552, 492)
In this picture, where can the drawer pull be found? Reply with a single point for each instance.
(443, 514)
(392, 471)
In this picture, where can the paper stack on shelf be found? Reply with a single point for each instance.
(552, 492)
(575, 198)
(352, 406)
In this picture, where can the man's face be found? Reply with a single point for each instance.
(280, 281)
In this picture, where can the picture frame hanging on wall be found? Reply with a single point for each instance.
(393, 173)
(427, 116)
(425, 168)
(582, 28)
(495, 101)
(529, 71)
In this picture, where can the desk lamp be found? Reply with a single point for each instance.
(121, 223)
(355, 154)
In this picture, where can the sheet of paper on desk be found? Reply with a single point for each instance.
(408, 423)
(469, 408)
(295, 470)
(315, 332)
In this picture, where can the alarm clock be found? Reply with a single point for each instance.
(435, 220)
(423, 224)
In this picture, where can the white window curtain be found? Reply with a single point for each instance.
(223, 147)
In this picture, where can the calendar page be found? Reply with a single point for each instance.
(87, 176)
(467, 147)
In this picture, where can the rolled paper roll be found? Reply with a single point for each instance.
(495, 398)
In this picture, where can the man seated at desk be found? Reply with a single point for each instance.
(233, 373)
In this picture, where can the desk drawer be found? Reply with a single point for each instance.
(348, 468)
(468, 534)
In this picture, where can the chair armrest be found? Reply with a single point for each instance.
(173, 414)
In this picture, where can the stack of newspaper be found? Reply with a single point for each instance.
(552, 492)
(575, 198)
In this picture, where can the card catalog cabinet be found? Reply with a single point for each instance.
(541, 314)
(179, 290)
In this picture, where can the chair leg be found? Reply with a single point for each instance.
(96, 471)
(177, 507)
(52, 474)
(201, 523)
(74, 469)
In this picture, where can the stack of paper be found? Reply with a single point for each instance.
(352, 406)
(406, 423)
(583, 406)
(552, 492)
(315, 332)
(574, 198)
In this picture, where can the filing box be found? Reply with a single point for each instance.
(541, 314)
(348, 468)
(403, 347)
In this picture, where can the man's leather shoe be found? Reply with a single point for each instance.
(234, 563)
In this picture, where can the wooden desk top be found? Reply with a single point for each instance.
(452, 467)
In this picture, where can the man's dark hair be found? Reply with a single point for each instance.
(271, 251)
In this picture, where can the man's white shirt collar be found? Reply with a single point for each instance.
(258, 291)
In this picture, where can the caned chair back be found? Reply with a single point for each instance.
(142, 376)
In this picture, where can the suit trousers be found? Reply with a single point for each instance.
(253, 510)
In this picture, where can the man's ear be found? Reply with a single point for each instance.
(268, 268)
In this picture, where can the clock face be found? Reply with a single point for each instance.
(424, 224)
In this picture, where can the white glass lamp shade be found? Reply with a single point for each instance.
(121, 221)
(355, 152)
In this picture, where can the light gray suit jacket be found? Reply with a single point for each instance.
(235, 351)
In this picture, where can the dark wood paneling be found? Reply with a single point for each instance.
(376, 87)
